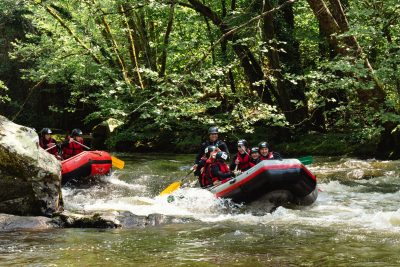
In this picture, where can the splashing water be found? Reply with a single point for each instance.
(346, 199)
(354, 222)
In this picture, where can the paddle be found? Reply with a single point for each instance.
(307, 160)
(175, 185)
(50, 147)
(115, 161)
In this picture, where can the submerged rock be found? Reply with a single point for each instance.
(66, 219)
(116, 219)
(30, 177)
(11, 222)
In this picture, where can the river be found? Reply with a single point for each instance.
(354, 222)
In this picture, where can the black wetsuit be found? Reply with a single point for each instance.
(220, 144)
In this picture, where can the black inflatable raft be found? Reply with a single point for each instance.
(288, 178)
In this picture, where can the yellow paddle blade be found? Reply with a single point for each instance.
(171, 188)
(117, 162)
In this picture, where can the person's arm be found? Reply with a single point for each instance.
(199, 154)
(233, 164)
(218, 173)
(222, 145)
(41, 144)
(277, 156)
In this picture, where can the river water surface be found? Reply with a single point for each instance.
(354, 222)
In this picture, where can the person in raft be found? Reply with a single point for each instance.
(205, 165)
(266, 154)
(48, 143)
(72, 144)
(212, 140)
(241, 160)
(219, 170)
(254, 157)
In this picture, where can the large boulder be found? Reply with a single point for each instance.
(30, 178)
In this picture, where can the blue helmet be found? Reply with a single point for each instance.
(222, 155)
(213, 130)
(254, 150)
(263, 145)
(209, 149)
(45, 131)
(76, 132)
(242, 142)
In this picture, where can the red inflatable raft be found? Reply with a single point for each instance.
(85, 164)
(283, 181)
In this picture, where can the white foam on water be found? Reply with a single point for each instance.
(353, 205)
(115, 181)
(186, 202)
(337, 204)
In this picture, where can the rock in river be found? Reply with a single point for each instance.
(30, 177)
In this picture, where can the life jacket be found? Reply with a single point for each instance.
(43, 144)
(223, 167)
(269, 156)
(253, 162)
(72, 149)
(243, 161)
(205, 178)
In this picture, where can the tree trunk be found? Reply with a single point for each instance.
(224, 49)
(54, 14)
(145, 40)
(250, 65)
(166, 40)
(132, 48)
(291, 59)
(274, 61)
(349, 45)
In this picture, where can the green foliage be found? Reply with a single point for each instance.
(3, 96)
(85, 48)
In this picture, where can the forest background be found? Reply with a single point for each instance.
(315, 76)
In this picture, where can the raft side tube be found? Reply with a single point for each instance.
(269, 176)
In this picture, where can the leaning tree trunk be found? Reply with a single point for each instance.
(249, 63)
(346, 46)
(335, 24)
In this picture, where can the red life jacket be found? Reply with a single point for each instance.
(269, 156)
(243, 161)
(253, 162)
(223, 167)
(205, 178)
(43, 144)
(72, 149)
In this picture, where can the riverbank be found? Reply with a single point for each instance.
(329, 144)
(317, 144)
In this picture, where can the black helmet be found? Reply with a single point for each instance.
(45, 131)
(76, 132)
(263, 145)
(209, 149)
(213, 130)
(254, 150)
(242, 142)
(222, 155)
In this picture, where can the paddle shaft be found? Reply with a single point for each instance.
(187, 175)
(88, 148)
(50, 147)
